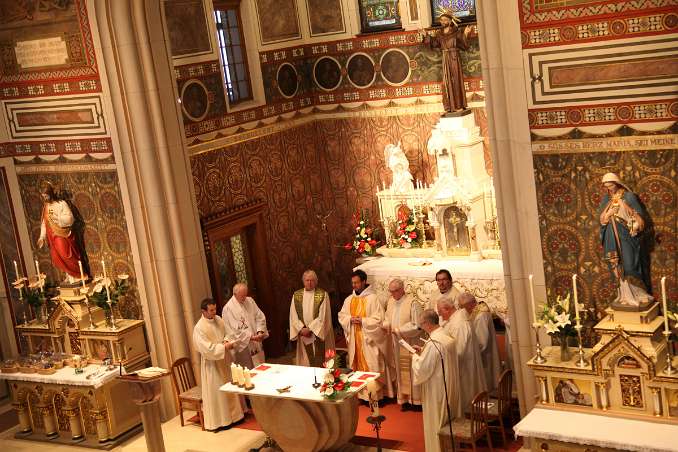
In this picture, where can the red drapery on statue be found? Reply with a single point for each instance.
(62, 247)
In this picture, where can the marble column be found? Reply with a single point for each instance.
(155, 175)
(508, 129)
(21, 409)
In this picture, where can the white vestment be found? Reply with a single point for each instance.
(401, 317)
(483, 326)
(367, 343)
(471, 372)
(436, 296)
(428, 373)
(320, 326)
(60, 214)
(243, 321)
(219, 408)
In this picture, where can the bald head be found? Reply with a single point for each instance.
(240, 292)
(396, 288)
(428, 320)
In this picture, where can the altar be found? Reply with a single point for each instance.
(484, 279)
(294, 413)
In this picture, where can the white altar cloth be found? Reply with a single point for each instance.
(67, 376)
(601, 431)
(270, 377)
(484, 279)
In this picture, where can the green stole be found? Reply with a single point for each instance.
(315, 354)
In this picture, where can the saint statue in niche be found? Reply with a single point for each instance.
(450, 39)
(622, 225)
(398, 164)
(56, 229)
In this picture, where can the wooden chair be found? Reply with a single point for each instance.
(500, 407)
(186, 391)
(469, 430)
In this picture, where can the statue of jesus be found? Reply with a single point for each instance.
(55, 229)
(450, 39)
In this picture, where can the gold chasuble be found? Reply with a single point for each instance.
(358, 309)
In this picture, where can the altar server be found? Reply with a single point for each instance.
(470, 364)
(427, 370)
(483, 327)
(247, 326)
(361, 317)
(402, 313)
(446, 290)
(220, 409)
(311, 322)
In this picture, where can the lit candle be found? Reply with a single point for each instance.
(16, 270)
(576, 299)
(82, 274)
(534, 302)
(239, 375)
(233, 380)
(666, 311)
(103, 267)
(37, 268)
(248, 379)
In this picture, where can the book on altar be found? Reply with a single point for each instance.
(407, 346)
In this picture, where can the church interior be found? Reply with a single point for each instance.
(356, 225)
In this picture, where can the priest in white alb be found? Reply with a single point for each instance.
(446, 290)
(311, 322)
(400, 322)
(220, 409)
(362, 317)
(471, 371)
(435, 370)
(247, 327)
(483, 327)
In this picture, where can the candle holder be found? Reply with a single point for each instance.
(581, 362)
(538, 359)
(92, 326)
(669, 356)
(376, 426)
(114, 327)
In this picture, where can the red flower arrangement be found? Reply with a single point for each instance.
(363, 243)
(406, 231)
(334, 382)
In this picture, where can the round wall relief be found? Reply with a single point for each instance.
(327, 73)
(395, 67)
(360, 69)
(288, 80)
(195, 100)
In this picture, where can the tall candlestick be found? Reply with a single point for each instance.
(534, 303)
(16, 270)
(666, 311)
(576, 299)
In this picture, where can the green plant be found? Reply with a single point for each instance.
(117, 289)
(556, 317)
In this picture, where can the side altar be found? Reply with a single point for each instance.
(63, 387)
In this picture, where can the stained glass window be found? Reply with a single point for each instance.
(379, 15)
(463, 9)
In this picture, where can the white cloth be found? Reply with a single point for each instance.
(483, 327)
(60, 214)
(428, 373)
(320, 326)
(436, 296)
(219, 408)
(401, 317)
(471, 372)
(66, 376)
(244, 320)
(374, 344)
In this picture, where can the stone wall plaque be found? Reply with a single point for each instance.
(41, 52)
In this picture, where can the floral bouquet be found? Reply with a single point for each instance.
(363, 243)
(335, 382)
(556, 316)
(116, 290)
(406, 231)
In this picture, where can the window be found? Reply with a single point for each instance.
(379, 15)
(465, 10)
(232, 47)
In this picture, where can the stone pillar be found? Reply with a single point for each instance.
(22, 413)
(101, 420)
(510, 144)
(47, 413)
(73, 414)
(140, 99)
(145, 393)
(602, 393)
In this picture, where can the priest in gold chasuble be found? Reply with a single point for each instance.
(311, 322)
(362, 318)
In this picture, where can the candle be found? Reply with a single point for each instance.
(666, 311)
(239, 375)
(103, 267)
(16, 270)
(37, 268)
(248, 379)
(534, 303)
(576, 299)
(82, 274)
(233, 381)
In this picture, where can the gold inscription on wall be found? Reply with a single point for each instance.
(41, 52)
(606, 144)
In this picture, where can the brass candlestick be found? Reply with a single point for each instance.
(538, 359)
(581, 362)
(669, 355)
